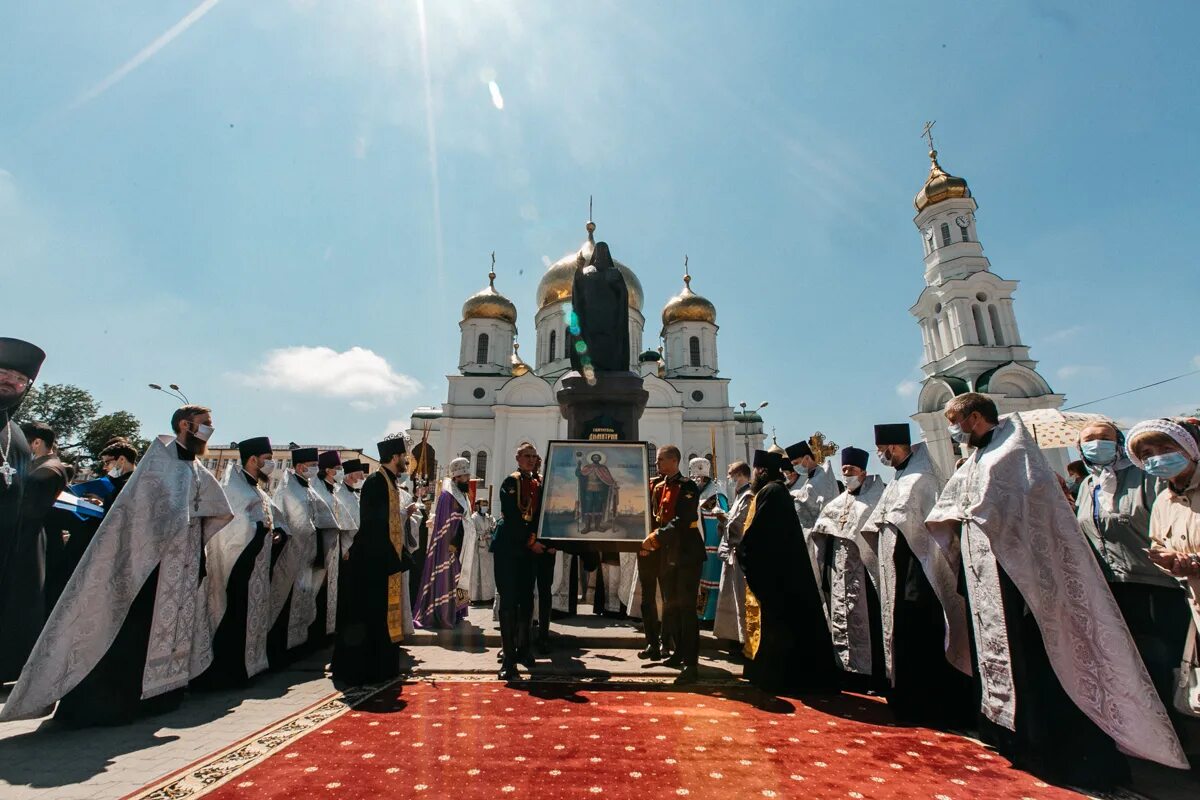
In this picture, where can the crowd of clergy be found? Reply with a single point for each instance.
(1059, 625)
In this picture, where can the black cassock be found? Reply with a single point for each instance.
(46, 480)
(795, 651)
(22, 569)
(363, 650)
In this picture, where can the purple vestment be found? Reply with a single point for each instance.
(438, 604)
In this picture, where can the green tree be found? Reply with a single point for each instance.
(110, 426)
(67, 409)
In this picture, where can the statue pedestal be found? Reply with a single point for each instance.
(608, 410)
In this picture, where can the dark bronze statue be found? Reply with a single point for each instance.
(601, 306)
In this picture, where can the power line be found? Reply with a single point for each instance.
(1131, 391)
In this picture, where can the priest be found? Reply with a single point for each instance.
(303, 559)
(47, 478)
(926, 642)
(849, 565)
(816, 485)
(22, 609)
(374, 610)
(713, 505)
(481, 583)
(354, 472)
(443, 601)
(1063, 686)
(131, 628)
(730, 622)
(239, 571)
(791, 650)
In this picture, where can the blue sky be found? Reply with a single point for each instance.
(186, 189)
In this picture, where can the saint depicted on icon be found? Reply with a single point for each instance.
(598, 493)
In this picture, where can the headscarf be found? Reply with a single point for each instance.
(1184, 432)
(1106, 474)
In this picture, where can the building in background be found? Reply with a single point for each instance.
(219, 459)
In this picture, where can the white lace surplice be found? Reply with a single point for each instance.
(901, 511)
(167, 512)
(854, 562)
(307, 516)
(1011, 512)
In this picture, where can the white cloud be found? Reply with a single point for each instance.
(359, 375)
(1063, 334)
(1081, 371)
(1196, 362)
(907, 388)
(497, 98)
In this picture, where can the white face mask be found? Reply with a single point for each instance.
(267, 467)
(203, 432)
(959, 435)
(885, 458)
(115, 472)
(483, 509)
(852, 482)
(339, 475)
(310, 473)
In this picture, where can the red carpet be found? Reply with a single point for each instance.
(482, 741)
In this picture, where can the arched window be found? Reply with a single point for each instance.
(966, 234)
(481, 465)
(980, 327)
(694, 351)
(997, 331)
(466, 454)
(553, 345)
(481, 351)
(945, 234)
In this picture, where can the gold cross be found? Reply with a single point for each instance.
(927, 132)
(821, 448)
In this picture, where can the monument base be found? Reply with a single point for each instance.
(607, 410)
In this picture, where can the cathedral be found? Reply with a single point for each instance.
(968, 326)
(497, 400)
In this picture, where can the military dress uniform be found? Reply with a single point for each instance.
(679, 544)
(515, 562)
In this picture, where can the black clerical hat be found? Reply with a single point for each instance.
(896, 433)
(853, 457)
(763, 459)
(799, 450)
(19, 355)
(390, 447)
(259, 445)
(353, 465)
(303, 455)
(330, 458)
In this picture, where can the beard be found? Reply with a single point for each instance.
(761, 481)
(463, 487)
(195, 446)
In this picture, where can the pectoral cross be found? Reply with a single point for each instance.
(927, 132)
(6, 472)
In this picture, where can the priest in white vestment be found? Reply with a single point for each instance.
(1062, 678)
(730, 623)
(481, 583)
(849, 569)
(239, 571)
(299, 573)
(131, 626)
(926, 640)
(816, 485)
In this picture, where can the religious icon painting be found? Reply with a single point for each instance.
(596, 492)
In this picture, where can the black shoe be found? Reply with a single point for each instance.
(508, 673)
(500, 654)
(674, 662)
(542, 646)
(526, 660)
(689, 676)
(651, 653)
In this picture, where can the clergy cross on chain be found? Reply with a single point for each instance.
(6, 472)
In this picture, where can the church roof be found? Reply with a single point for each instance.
(555, 285)
(490, 304)
(939, 186)
(687, 306)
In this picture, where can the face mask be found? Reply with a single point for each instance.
(339, 475)
(885, 458)
(203, 432)
(958, 434)
(1099, 451)
(115, 472)
(853, 482)
(1166, 466)
(267, 467)
(310, 473)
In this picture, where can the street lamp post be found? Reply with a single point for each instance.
(172, 390)
(745, 421)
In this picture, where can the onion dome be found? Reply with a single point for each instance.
(939, 186)
(648, 356)
(490, 304)
(519, 367)
(687, 306)
(555, 285)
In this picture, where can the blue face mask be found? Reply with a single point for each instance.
(1166, 466)
(1099, 452)
(958, 434)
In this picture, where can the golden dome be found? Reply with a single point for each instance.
(939, 186)
(687, 306)
(555, 285)
(519, 367)
(490, 304)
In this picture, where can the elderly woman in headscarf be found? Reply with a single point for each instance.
(1114, 509)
